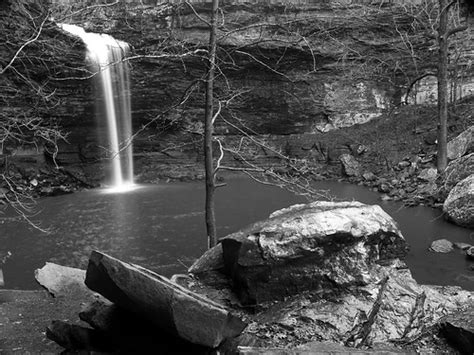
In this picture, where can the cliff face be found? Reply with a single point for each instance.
(297, 77)
(285, 69)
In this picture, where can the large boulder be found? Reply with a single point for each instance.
(335, 269)
(462, 144)
(313, 246)
(459, 206)
(394, 310)
(458, 170)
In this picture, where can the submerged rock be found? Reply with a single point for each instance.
(442, 246)
(461, 245)
(308, 247)
(459, 206)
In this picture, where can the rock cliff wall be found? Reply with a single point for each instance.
(287, 68)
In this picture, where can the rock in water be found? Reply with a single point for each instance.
(307, 247)
(459, 206)
(462, 246)
(470, 253)
(169, 306)
(350, 165)
(441, 246)
(462, 144)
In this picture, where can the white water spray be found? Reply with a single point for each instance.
(107, 53)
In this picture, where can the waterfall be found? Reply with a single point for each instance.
(105, 54)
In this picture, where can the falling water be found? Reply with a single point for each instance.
(106, 53)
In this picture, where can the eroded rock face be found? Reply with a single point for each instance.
(307, 247)
(394, 308)
(459, 206)
(305, 93)
(462, 144)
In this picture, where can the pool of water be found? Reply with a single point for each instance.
(162, 228)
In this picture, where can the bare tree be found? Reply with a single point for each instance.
(208, 129)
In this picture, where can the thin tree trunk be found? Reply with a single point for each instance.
(442, 159)
(208, 131)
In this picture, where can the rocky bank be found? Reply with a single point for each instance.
(325, 276)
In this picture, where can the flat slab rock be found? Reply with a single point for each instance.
(62, 281)
(165, 304)
(307, 247)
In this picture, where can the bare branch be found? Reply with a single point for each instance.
(31, 40)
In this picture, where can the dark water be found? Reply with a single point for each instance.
(162, 227)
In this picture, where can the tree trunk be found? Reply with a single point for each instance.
(442, 160)
(208, 131)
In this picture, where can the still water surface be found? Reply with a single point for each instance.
(162, 228)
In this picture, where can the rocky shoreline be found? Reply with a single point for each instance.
(312, 278)
(412, 181)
